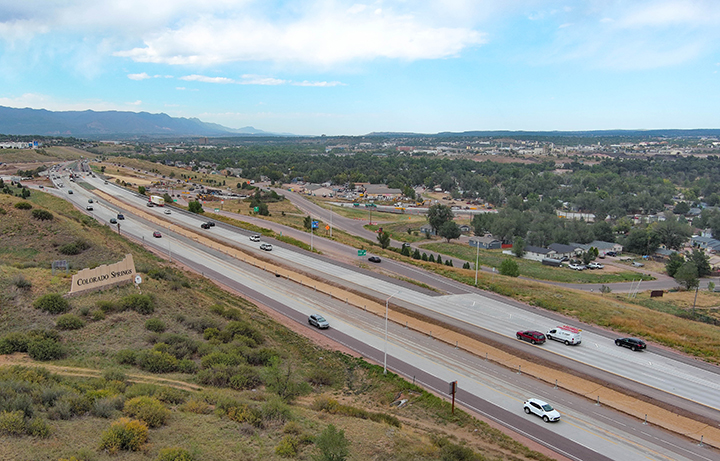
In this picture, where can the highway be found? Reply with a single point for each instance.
(410, 353)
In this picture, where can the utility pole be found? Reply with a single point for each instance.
(477, 258)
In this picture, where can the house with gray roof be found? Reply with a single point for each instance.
(538, 253)
(603, 247)
(708, 244)
(487, 242)
(568, 251)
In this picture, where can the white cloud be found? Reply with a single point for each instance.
(206, 79)
(259, 80)
(141, 76)
(136, 103)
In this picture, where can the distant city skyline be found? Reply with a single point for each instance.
(349, 68)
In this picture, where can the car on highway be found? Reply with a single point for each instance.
(594, 265)
(211, 223)
(541, 409)
(167, 211)
(157, 234)
(205, 225)
(89, 208)
(70, 192)
(120, 216)
(266, 246)
(90, 200)
(531, 336)
(631, 343)
(255, 238)
(113, 221)
(150, 204)
(318, 321)
(565, 334)
(41, 186)
(374, 259)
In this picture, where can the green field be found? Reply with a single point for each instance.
(533, 269)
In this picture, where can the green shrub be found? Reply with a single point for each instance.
(321, 377)
(14, 342)
(218, 376)
(196, 405)
(52, 303)
(210, 333)
(246, 377)
(98, 315)
(232, 314)
(236, 328)
(105, 407)
(140, 389)
(23, 206)
(45, 349)
(37, 427)
(21, 282)
(147, 409)
(509, 267)
(42, 215)
(221, 358)
(332, 444)
(156, 362)
(171, 395)
(114, 375)
(69, 322)
(156, 325)
(181, 346)
(84, 311)
(201, 324)
(187, 366)
(74, 248)
(174, 454)
(124, 434)
(12, 423)
(142, 304)
(288, 447)
(126, 357)
(217, 309)
(105, 306)
(260, 357)
(275, 409)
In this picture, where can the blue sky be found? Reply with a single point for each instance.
(334, 67)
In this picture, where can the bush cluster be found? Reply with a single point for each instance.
(52, 303)
(124, 434)
(42, 215)
(156, 325)
(23, 206)
(147, 409)
(15, 423)
(142, 304)
(39, 344)
(74, 248)
(175, 454)
(334, 407)
(69, 322)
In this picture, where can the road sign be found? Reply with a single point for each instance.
(327, 227)
(314, 224)
(257, 208)
(362, 252)
(217, 209)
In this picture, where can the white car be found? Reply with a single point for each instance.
(595, 265)
(541, 409)
(266, 246)
(576, 267)
(255, 238)
(166, 211)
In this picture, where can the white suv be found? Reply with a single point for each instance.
(541, 409)
(255, 238)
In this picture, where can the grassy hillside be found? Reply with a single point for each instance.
(198, 373)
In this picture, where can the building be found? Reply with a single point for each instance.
(381, 192)
(708, 244)
(538, 253)
(565, 251)
(487, 242)
(602, 247)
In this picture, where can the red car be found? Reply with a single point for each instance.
(531, 336)
(157, 234)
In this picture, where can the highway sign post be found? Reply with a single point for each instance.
(362, 252)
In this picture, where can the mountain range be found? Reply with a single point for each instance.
(94, 124)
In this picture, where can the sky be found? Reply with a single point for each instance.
(312, 67)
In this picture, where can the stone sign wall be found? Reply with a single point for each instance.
(104, 276)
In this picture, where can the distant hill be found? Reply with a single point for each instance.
(670, 133)
(92, 124)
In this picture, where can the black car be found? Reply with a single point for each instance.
(631, 343)
(121, 216)
(211, 223)
(113, 221)
(374, 259)
(205, 225)
(610, 253)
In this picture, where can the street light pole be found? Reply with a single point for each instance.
(477, 258)
(386, 332)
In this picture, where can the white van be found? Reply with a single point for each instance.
(565, 334)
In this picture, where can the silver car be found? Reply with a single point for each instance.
(318, 321)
